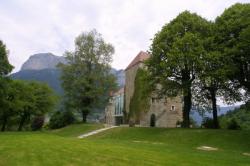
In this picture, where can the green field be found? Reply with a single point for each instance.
(124, 146)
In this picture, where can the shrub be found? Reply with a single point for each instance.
(207, 123)
(233, 125)
(37, 123)
(61, 119)
(179, 123)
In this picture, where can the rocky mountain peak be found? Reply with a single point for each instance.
(42, 61)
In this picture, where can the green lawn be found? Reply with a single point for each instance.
(125, 146)
(76, 129)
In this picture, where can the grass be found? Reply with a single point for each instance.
(76, 129)
(125, 146)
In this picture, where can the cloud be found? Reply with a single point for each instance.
(29, 27)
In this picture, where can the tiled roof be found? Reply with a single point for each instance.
(139, 58)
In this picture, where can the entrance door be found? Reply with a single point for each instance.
(152, 120)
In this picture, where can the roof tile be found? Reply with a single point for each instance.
(139, 58)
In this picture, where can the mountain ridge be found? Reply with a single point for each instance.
(42, 61)
(42, 67)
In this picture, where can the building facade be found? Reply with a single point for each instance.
(164, 112)
(115, 108)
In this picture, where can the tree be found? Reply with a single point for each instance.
(212, 81)
(5, 66)
(5, 98)
(61, 119)
(233, 39)
(30, 99)
(37, 100)
(37, 123)
(14, 101)
(176, 52)
(86, 78)
(7, 102)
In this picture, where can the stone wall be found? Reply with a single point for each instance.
(109, 113)
(167, 111)
(165, 115)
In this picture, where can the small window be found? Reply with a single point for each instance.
(172, 108)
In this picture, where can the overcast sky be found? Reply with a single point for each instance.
(36, 26)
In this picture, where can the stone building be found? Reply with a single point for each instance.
(115, 108)
(165, 112)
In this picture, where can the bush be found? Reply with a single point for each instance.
(37, 123)
(179, 123)
(233, 125)
(61, 119)
(207, 123)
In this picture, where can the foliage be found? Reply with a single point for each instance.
(61, 119)
(5, 66)
(34, 99)
(176, 56)
(212, 81)
(7, 102)
(207, 123)
(37, 123)
(232, 36)
(5, 98)
(25, 100)
(240, 115)
(86, 78)
(233, 125)
(140, 101)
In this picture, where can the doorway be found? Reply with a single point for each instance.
(152, 120)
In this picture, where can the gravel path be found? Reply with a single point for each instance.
(95, 132)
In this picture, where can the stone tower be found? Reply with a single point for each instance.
(164, 112)
(130, 74)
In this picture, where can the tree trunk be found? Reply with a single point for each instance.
(214, 105)
(187, 107)
(4, 123)
(84, 116)
(23, 118)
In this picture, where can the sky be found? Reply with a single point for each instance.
(37, 26)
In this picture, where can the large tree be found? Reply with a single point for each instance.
(175, 57)
(86, 78)
(6, 102)
(38, 99)
(24, 100)
(212, 82)
(31, 99)
(233, 39)
(5, 69)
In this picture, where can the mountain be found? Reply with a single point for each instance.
(49, 76)
(42, 61)
(120, 76)
(194, 114)
(42, 67)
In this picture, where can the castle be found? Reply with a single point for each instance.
(163, 112)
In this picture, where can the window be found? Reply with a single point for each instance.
(172, 108)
